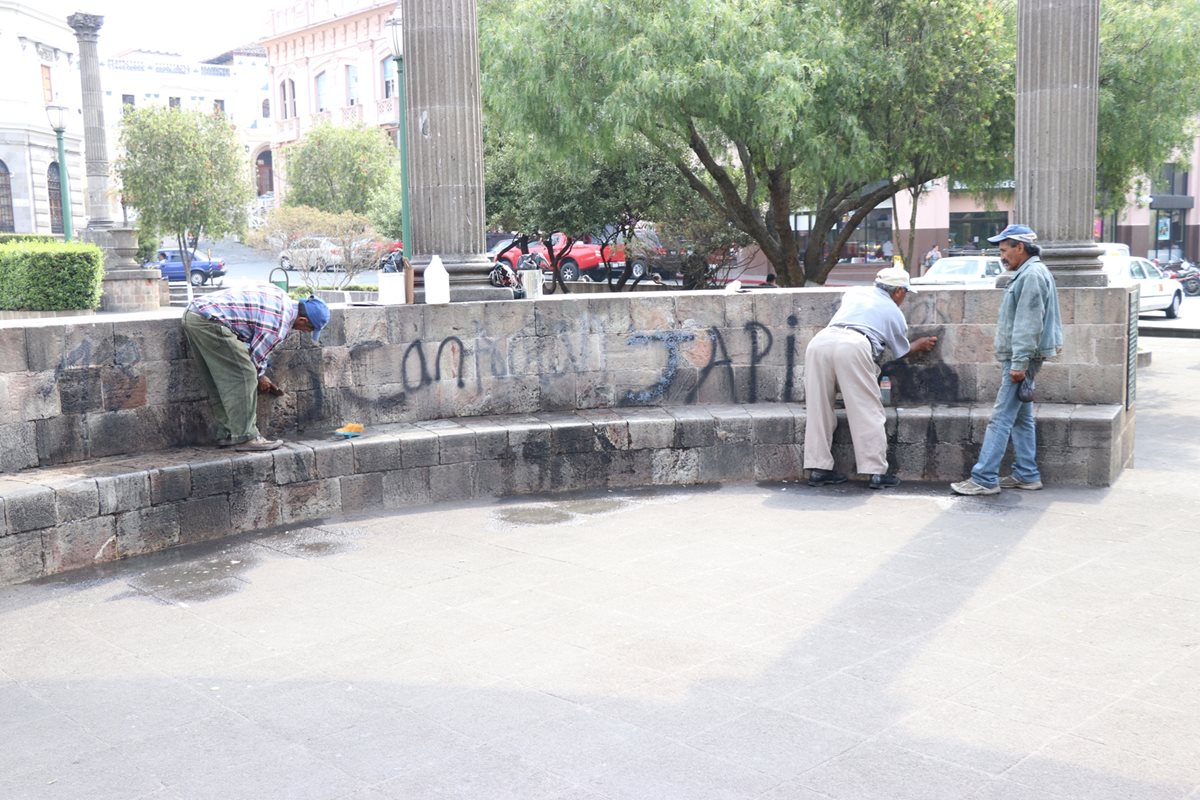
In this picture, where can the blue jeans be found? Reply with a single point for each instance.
(1011, 419)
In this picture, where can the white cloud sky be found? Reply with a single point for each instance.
(199, 29)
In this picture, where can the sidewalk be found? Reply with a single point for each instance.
(746, 641)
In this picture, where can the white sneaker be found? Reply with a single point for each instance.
(1012, 482)
(970, 487)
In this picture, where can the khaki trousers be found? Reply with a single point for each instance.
(838, 358)
(229, 374)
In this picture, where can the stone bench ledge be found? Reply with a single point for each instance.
(60, 518)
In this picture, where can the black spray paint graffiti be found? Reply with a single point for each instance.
(672, 340)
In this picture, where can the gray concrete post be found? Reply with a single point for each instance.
(445, 138)
(1058, 68)
(87, 32)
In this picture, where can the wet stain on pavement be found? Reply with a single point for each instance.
(533, 515)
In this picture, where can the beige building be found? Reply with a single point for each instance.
(329, 61)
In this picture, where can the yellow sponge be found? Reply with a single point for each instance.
(351, 427)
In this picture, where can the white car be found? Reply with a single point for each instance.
(971, 272)
(1156, 291)
(312, 253)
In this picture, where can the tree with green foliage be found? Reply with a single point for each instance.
(184, 172)
(1149, 93)
(338, 169)
(832, 106)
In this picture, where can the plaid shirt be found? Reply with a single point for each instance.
(261, 316)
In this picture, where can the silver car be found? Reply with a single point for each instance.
(312, 253)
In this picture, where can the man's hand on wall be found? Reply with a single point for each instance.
(923, 345)
(266, 386)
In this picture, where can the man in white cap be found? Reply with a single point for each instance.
(846, 355)
(1028, 329)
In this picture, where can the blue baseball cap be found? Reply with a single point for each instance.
(317, 313)
(1018, 233)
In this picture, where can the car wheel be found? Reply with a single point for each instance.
(197, 277)
(1173, 309)
(569, 269)
(1192, 286)
(285, 262)
(638, 269)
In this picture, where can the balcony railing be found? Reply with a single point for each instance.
(287, 129)
(387, 110)
(352, 114)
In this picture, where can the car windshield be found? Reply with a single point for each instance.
(955, 266)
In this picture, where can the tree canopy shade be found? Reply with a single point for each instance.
(1149, 91)
(183, 171)
(765, 106)
(338, 169)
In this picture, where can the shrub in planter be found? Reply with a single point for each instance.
(5, 238)
(50, 276)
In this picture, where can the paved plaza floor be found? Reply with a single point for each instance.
(746, 641)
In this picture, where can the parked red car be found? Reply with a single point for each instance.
(580, 260)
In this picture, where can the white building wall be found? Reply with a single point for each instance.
(31, 38)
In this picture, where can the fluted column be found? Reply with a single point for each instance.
(1058, 68)
(87, 32)
(445, 137)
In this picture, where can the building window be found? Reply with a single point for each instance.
(54, 190)
(219, 107)
(320, 85)
(351, 85)
(969, 230)
(266, 111)
(126, 103)
(287, 99)
(173, 102)
(389, 77)
(8, 222)
(47, 85)
(1173, 180)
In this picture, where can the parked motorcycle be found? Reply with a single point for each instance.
(1187, 274)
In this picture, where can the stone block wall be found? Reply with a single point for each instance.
(93, 388)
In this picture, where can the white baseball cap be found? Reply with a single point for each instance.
(896, 277)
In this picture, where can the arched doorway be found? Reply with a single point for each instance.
(8, 222)
(54, 189)
(264, 173)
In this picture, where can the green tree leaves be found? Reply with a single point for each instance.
(183, 171)
(338, 169)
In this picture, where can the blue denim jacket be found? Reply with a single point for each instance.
(1030, 324)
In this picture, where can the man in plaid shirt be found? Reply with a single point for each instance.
(232, 334)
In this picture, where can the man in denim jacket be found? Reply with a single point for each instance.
(1028, 329)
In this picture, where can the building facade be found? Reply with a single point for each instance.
(330, 61)
(39, 59)
(234, 84)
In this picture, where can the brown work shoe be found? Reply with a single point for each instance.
(258, 445)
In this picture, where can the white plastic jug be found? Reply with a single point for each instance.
(437, 282)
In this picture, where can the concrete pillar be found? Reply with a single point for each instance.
(445, 139)
(1058, 68)
(87, 32)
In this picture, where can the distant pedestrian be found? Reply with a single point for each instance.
(1028, 330)
(932, 256)
(845, 355)
(888, 248)
(770, 283)
(232, 333)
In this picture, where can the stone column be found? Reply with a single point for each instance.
(126, 286)
(445, 139)
(87, 32)
(1058, 68)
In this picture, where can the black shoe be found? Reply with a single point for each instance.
(824, 477)
(883, 482)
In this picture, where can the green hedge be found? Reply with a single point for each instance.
(5, 238)
(50, 276)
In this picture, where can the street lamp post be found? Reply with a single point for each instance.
(396, 27)
(58, 121)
